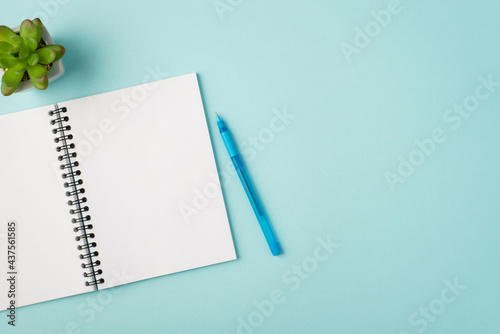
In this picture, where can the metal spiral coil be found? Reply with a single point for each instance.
(75, 191)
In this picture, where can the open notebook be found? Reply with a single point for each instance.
(103, 191)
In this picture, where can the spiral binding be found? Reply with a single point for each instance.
(75, 191)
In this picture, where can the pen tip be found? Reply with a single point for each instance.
(216, 113)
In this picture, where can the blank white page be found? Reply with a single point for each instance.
(146, 157)
(32, 193)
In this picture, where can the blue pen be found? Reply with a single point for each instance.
(249, 189)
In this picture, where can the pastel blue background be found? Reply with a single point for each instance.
(322, 175)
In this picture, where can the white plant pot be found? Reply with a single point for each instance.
(55, 72)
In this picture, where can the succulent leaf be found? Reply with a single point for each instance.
(7, 48)
(60, 51)
(46, 54)
(12, 78)
(7, 61)
(42, 85)
(29, 33)
(50, 53)
(31, 44)
(39, 76)
(33, 59)
(7, 35)
(24, 52)
(39, 29)
(6, 90)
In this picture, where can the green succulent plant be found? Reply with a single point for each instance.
(26, 52)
